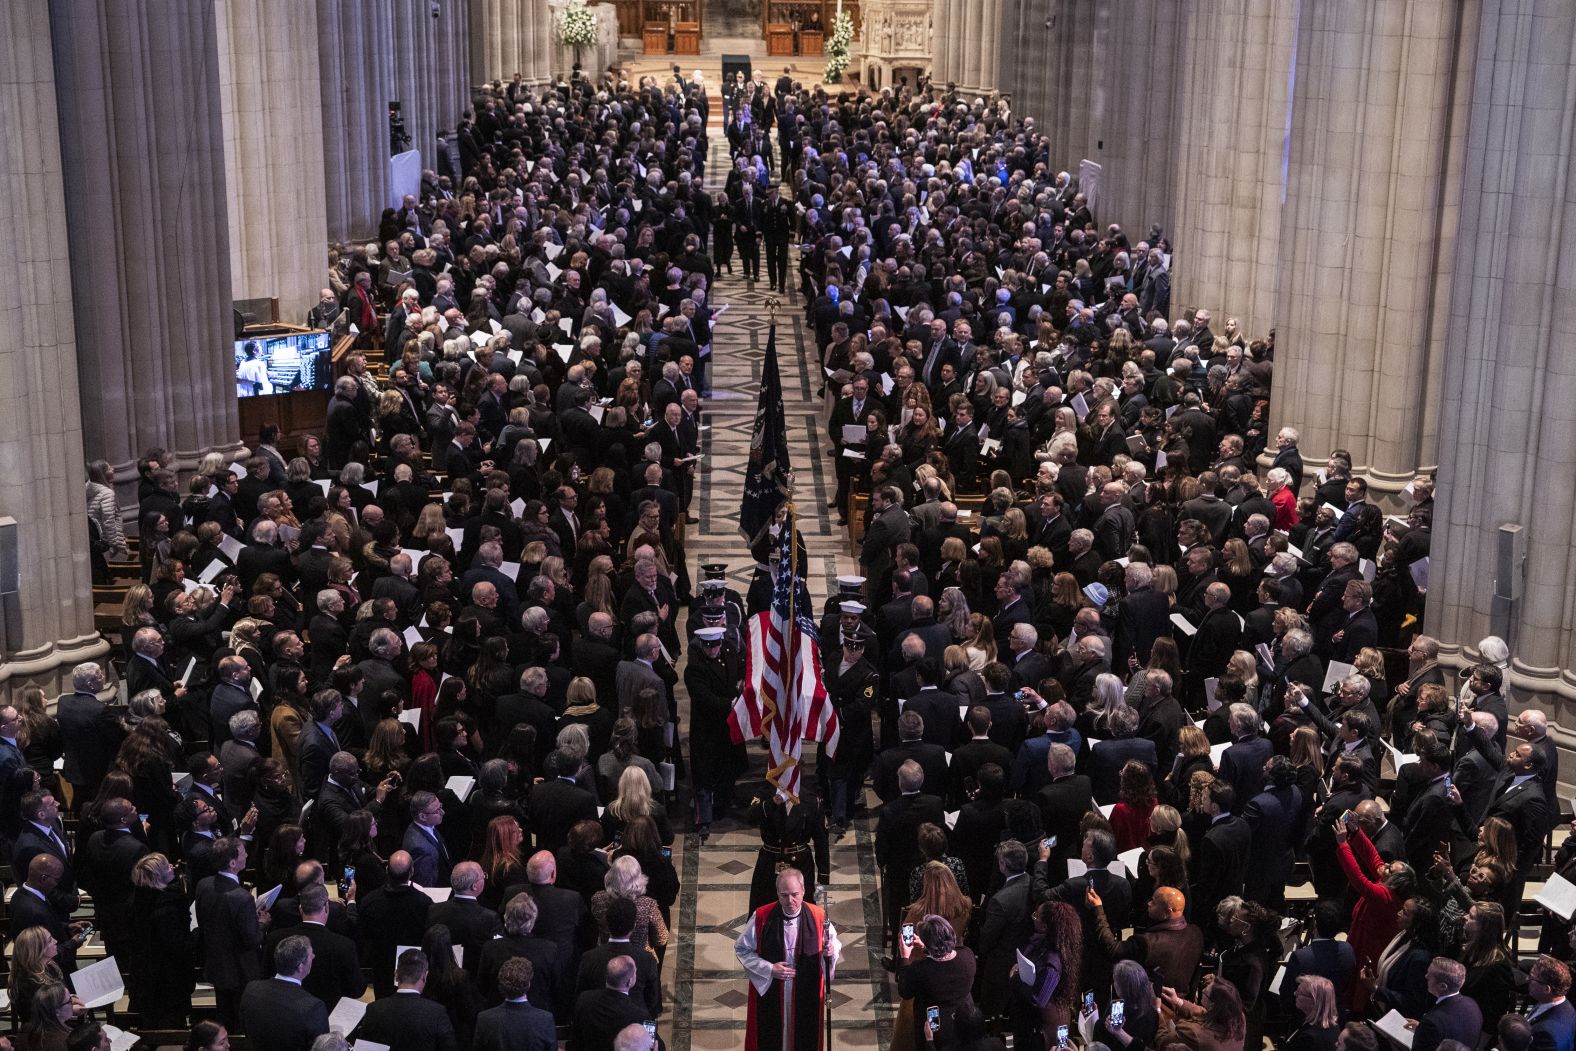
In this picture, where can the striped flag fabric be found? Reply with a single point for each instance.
(784, 700)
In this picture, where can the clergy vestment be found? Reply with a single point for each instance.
(785, 1014)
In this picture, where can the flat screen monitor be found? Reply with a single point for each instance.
(296, 361)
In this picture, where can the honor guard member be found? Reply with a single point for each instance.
(713, 679)
(852, 682)
(712, 610)
(849, 589)
(719, 571)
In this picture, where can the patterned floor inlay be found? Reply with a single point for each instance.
(703, 983)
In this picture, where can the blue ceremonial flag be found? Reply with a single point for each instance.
(767, 482)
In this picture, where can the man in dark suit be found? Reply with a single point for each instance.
(335, 969)
(592, 972)
(430, 860)
(1108, 757)
(1552, 1017)
(549, 975)
(263, 555)
(31, 906)
(1023, 658)
(1063, 803)
(1359, 630)
(1145, 617)
(231, 694)
(1007, 926)
(279, 1013)
(1115, 896)
(42, 833)
(1218, 636)
(146, 669)
(1242, 764)
(395, 914)
(317, 743)
(936, 708)
(1522, 802)
(105, 862)
(1220, 864)
(1453, 1016)
(974, 753)
(601, 1014)
(1009, 724)
(406, 1020)
(897, 833)
(229, 924)
(930, 758)
(1287, 458)
(91, 734)
(561, 914)
(558, 803)
(516, 1024)
(1431, 824)
(1276, 815)
(471, 924)
(1325, 955)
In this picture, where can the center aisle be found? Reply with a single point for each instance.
(704, 984)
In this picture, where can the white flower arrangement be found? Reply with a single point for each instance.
(837, 46)
(577, 25)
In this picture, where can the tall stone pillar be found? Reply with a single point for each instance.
(969, 47)
(48, 624)
(1370, 213)
(355, 59)
(1053, 60)
(509, 37)
(452, 68)
(1509, 381)
(142, 146)
(989, 45)
(274, 188)
(941, 30)
(1237, 63)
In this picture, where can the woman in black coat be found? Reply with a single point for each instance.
(161, 967)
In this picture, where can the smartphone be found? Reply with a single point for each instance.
(1088, 1006)
(908, 934)
(1348, 818)
(1048, 842)
(1021, 696)
(1449, 782)
(344, 881)
(667, 852)
(933, 1019)
(1118, 1014)
(1061, 1036)
(651, 1029)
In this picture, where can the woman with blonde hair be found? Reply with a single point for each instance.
(1242, 664)
(625, 879)
(136, 612)
(981, 643)
(159, 965)
(1320, 1025)
(429, 522)
(34, 964)
(924, 472)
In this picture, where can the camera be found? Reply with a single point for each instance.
(399, 138)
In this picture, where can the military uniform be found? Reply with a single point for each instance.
(853, 693)
(713, 681)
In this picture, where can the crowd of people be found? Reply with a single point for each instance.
(1120, 669)
(1114, 667)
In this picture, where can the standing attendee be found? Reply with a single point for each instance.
(790, 951)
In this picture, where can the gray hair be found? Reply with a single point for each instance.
(246, 724)
(384, 643)
(87, 677)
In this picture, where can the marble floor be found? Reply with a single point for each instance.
(704, 985)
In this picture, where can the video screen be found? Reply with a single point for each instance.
(281, 364)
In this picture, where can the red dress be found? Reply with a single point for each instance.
(1374, 920)
(1131, 825)
(424, 696)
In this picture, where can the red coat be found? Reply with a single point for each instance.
(1131, 825)
(1374, 920)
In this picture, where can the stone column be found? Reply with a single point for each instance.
(509, 37)
(142, 147)
(989, 49)
(453, 70)
(355, 59)
(1123, 115)
(1230, 156)
(1370, 212)
(941, 42)
(969, 47)
(1509, 380)
(49, 622)
(274, 188)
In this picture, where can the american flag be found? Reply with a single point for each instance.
(784, 699)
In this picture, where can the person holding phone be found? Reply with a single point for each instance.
(938, 978)
(1217, 1024)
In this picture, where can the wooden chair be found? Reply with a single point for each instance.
(858, 505)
